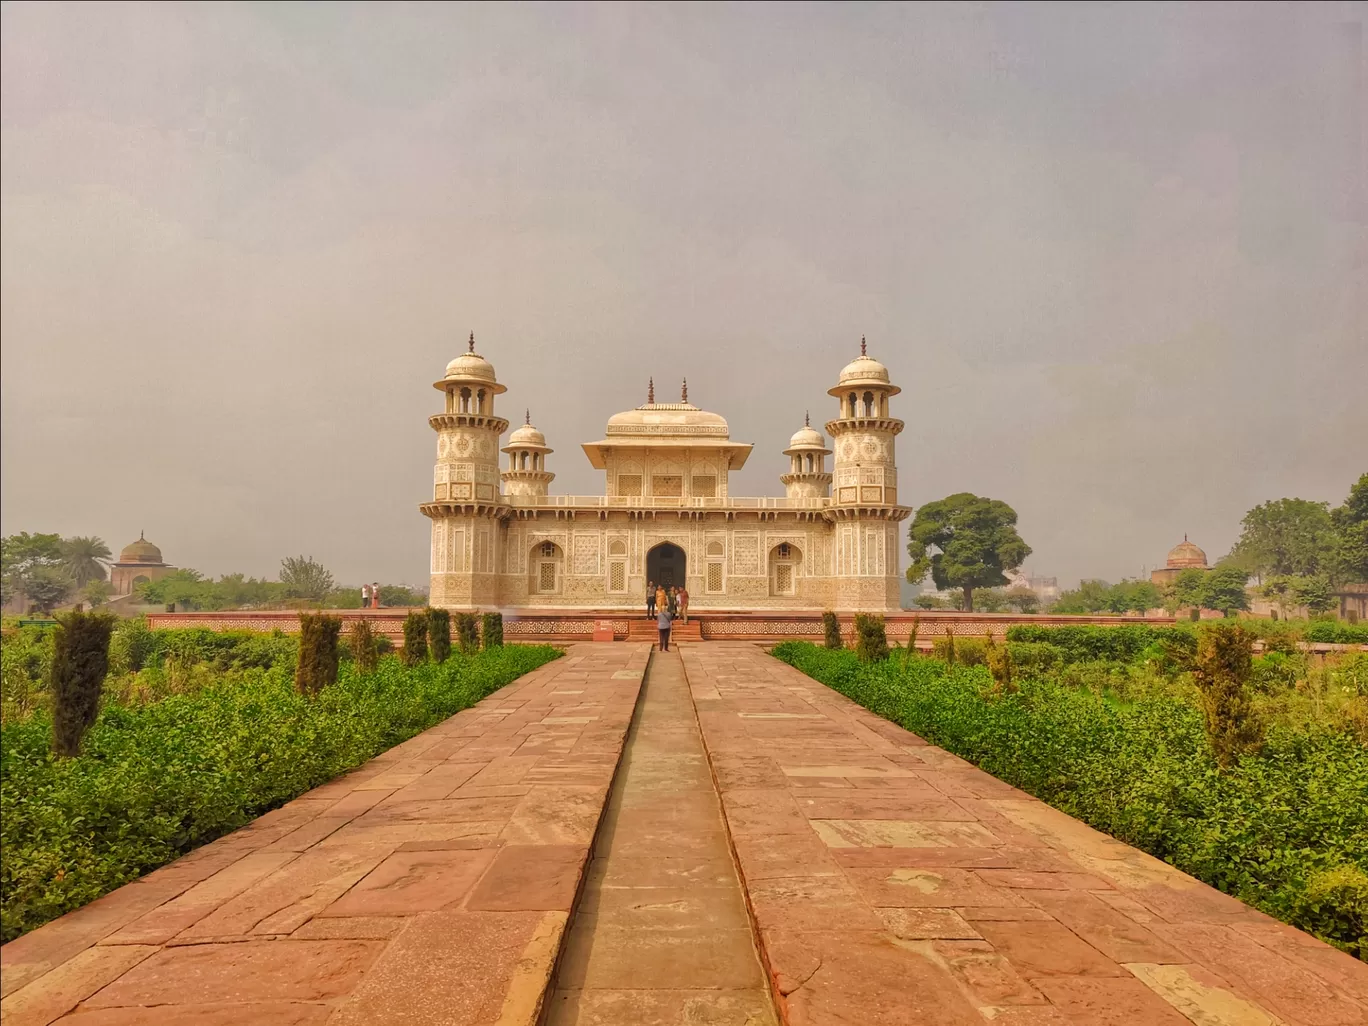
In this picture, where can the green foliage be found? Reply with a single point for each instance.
(132, 645)
(1350, 522)
(84, 560)
(831, 629)
(999, 660)
(1023, 600)
(156, 781)
(318, 656)
(363, 647)
(1094, 596)
(1089, 642)
(26, 656)
(1332, 632)
(492, 630)
(468, 631)
(96, 593)
(943, 648)
(1285, 831)
(21, 555)
(975, 542)
(1224, 589)
(415, 649)
(398, 595)
(871, 640)
(1285, 537)
(439, 634)
(47, 587)
(80, 661)
(1221, 671)
(305, 579)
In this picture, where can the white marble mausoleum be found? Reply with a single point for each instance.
(502, 540)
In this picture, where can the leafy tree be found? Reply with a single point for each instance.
(398, 595)
(1023, 600)
(990, 600)
(96, 593)
(929, 602)
(1314, 593)
(1133, 596)
(23, 553)
(1089, 597)
(1224, 589)
(1285, 537)
(1189, 589)
(85, 559)
(1350, 522)
(80, 661)
(975, 541)
(305, 579)
(47, 586)
(183, 587)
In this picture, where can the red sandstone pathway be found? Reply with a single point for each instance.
(893, 883)
(431, 885)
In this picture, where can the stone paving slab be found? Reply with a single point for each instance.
(894, 883)
(431, 885)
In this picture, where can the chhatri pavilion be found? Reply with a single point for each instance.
(502, 540)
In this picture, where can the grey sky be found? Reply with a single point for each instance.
(1115, 256)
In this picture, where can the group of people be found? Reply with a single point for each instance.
(666, 605)
(370, 596)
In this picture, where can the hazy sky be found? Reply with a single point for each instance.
(1116, 256)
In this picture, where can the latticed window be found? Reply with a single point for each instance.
(617, 576)
(629, 484)
(546, 577)
(548, 549)
(714, 576)
(783, 578)
(783, 550)
(705, 486)
(667, 485)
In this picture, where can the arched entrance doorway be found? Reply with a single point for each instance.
(665, 564)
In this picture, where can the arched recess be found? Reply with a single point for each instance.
(714, 578)
(785, 559)
(546, 566)
(617, 565)
(666, 564)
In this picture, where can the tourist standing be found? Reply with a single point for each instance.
(674, 602)
(684, 604)
(650, 599)
(365, 596)
(660, 598)
(375, 595)
(663, 620)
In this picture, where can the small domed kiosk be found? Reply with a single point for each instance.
(139, 562)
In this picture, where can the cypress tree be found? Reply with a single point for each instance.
(492, 629)
(363, 645)
(439, 634)
(80, 661)
(831, 627)
(415, 638)
(318, 652)
(468, 632)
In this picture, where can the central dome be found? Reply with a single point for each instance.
(863, 369)
(1185, 555)
(674, 419)
(140, 551)
(807, 437)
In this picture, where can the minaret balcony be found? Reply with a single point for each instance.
(441, 421)
(844, 425)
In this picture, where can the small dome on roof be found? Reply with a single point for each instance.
(864, 372)
(471, 366)
(140, 551)
(1186, 555)
(526, 436)
(807, 437)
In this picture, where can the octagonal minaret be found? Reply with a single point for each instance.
(808, 477)
(466, 502)
(864, 490)
(527, 451)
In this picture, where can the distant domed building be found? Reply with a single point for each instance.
(1183, 556)
(139, 562)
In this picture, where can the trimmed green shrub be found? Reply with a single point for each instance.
(871, 640)
(80, 662)
(364, 649)
(132, 644)
(1035, 656)
(492, 630)
(468, 632)
(1224, 659)
(156, 781)
(415, 638)
(318, 655)
(831, 628)
(1332, 632)
(439, 635)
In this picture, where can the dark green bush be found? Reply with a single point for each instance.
(158, 780)
(1265, 831)
(80, 662)
(871, 640)
(1332, 632)
(439, 634)
(468, 631)
(363, 646)
(415, 638)
(1035, 656)
(492, 630)
(1221, 673)
(131, 645)
(831, 629)
(316, 668)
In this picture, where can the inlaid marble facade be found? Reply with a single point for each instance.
(502, 540)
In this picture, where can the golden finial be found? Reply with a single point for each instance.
(472, 342)
(684, 392)
(650, 392)
(527, 416)
(807, 418)
(863, 350)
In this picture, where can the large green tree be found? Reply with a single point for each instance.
(305, 579)
(1089, 597)
(85, 559)
(47, 587)
(965, 541)
(1285, 537)
(1350, 522)
(24, 554)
